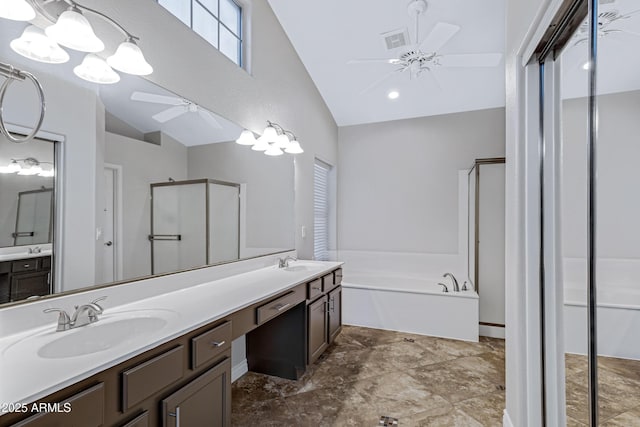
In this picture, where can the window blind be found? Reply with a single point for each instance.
(321, 211)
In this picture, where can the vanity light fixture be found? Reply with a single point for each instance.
(17, 10)
(394, 94)
(30, 166)
(73, 30)
(34, 44)
(274, 141)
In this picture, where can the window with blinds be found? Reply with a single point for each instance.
(321, 210)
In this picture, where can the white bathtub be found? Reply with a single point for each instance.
(409, 305)
(618, 318)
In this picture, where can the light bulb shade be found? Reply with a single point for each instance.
(282, 141)
(17, 10)
(13, 167)
(270, 134)
(129, 59)
(294, 148)
(34, 44)
(33, 170)
(274, 150)
(261, 144)
(95, 69)
(246, 138)
(74, 31)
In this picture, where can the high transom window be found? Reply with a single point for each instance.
(217, 21)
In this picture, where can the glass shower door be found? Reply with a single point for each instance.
(33, 223)
(224, 222)
(178, 226)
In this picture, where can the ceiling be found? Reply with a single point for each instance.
(327, 34)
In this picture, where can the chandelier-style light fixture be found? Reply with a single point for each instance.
(28, 166)
(275, 140)
(74, 31)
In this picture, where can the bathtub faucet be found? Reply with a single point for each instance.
(456, 288)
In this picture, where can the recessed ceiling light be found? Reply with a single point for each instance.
(393, 94)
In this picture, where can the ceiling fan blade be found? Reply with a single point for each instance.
(156, 99)
(208, 117)
(377, 82)
(439, 36)
(470, 60)
(169, 113)
(368, 61)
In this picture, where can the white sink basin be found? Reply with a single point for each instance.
(118, 329)
(100, 337)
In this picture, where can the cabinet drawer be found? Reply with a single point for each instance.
(45, 262)
(314, 288)
(207, 346)
(327, 282)
(85, 409)
(24, 265)
(337, 277)
(151, 376)
(277, 306)
(141, 420)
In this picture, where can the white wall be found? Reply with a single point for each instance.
(142, 163)
(278, 87)
(270, 224)
(398, 186)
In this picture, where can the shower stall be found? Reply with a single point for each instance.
(486, 241)
(194, 223)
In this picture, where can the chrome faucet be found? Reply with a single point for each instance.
(35, 250)
(456, 288)
(444, 287)
(84, 314)
(284, 262)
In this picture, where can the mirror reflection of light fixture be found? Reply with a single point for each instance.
(17, 10)
(273, 141)
(74, 31)
(34, 44)
(246, 138)
(28, 166)
(96, 70)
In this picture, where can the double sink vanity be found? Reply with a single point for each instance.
(166, 359)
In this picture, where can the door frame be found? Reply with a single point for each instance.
(117, 219)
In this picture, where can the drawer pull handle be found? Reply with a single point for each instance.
(176, 415)
(26, 266)
(315, 288)
(218, 343)
(281, 307)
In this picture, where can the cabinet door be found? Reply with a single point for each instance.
(24, 285)
(205, 401)
(318, 334)
(335, 313)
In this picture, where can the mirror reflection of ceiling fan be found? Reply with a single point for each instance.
(179, 106)
(424, 56)
(605, 20)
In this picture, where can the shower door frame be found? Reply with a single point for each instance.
(206, 182)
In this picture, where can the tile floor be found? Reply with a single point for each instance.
(422, 381)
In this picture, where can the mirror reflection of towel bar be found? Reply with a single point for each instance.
(23, 234)
(165, 236)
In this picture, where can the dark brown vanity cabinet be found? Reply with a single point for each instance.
(23, 278)
(318, 339)
(324, 313)
(334, 313)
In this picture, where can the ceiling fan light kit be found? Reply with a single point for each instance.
(275, 140)
(73, 30)
(423, 56)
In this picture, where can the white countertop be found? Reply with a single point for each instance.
(26, 377)
(23, 255)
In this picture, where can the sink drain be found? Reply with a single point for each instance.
(387, 421)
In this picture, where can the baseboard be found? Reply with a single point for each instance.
(506, 421)
(491, 331)
(239, 370)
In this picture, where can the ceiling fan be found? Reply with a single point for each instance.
(179, 107)
(423, 56)
(605, 19)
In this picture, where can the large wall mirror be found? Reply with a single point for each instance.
(145, 183)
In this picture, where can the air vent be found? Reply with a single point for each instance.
(395, 38)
